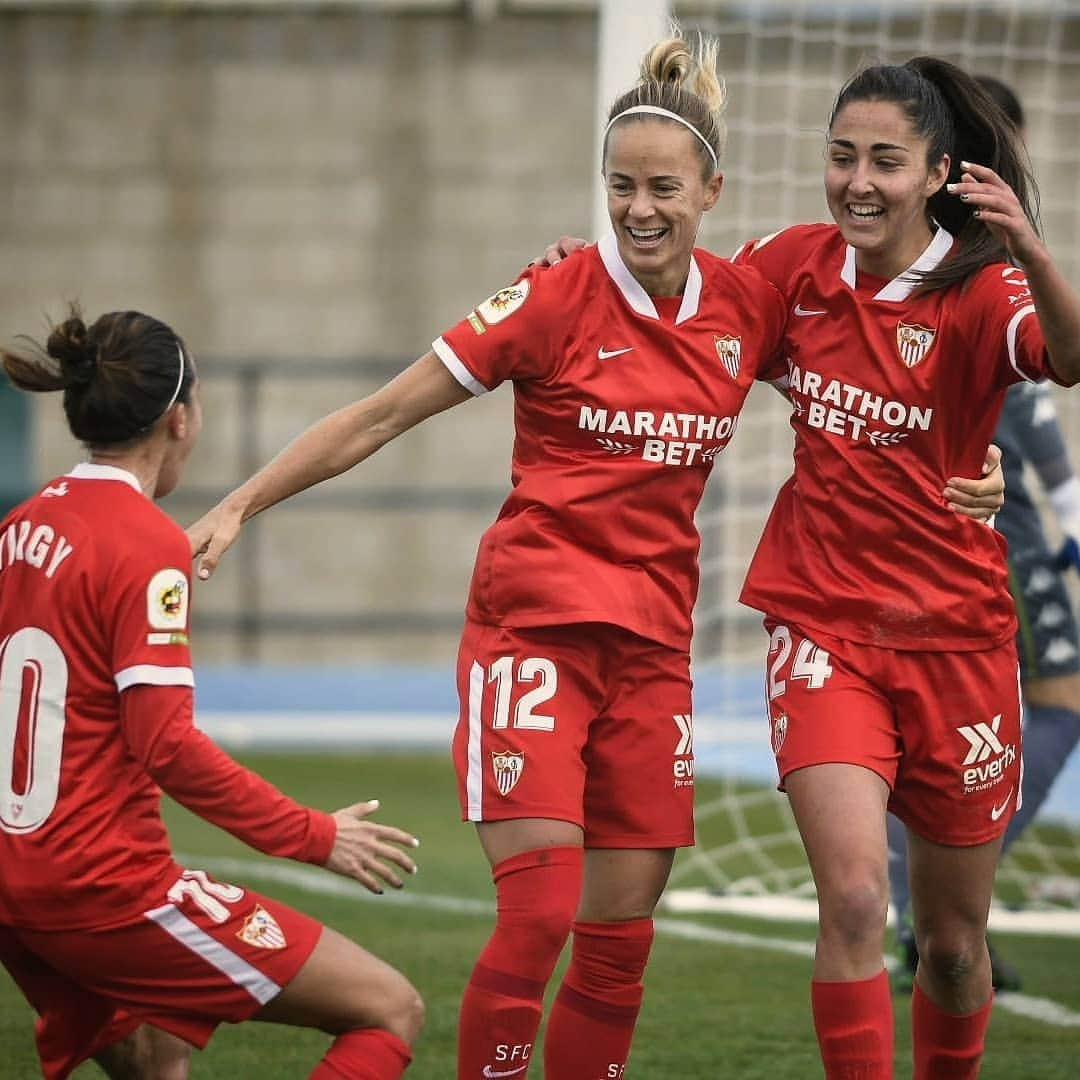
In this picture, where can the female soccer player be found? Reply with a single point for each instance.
(126, 956)
(1048, 641)
(892, 672)
(574, 748)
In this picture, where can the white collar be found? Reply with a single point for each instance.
(87, 470)
(635, 295)
(904, 284)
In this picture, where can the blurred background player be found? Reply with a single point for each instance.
(574, 746)
(126, 956)
(1048, 643)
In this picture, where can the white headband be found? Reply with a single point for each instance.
(179, 381)
(656, 110)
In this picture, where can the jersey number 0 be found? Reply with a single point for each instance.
(33, 685)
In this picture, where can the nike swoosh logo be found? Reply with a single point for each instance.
(489, 1072)
(800, 310)
(997, 811)
(601, 354)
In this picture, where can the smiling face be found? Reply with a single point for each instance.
(656, 194)
(877, 182)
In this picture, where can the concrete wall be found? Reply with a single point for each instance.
(309, 187)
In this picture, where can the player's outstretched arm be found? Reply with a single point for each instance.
(979, 499)
(158, 729)
(367, 851)
(329, 447)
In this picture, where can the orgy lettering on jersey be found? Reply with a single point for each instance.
(36, 545)
(666, 438)
(842, 408)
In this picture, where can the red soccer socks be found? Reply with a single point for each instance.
(370, 1054)
(854, 1023)
(946, 1047)
(592, 1022)
(537, 895)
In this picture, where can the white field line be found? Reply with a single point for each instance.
(312, 880)
(802, 909)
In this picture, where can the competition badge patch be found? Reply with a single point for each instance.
(261, 929)
(914, 342)
(167, 600)
(508, 766)
(504, 303)
(729, 349)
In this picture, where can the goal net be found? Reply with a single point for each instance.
(783, 63)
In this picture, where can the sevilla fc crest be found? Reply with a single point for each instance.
(779, 732)
(914, 342)
(729, 349)
(508, 766)
(261, 929)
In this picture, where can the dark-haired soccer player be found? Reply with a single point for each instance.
(126, 956)
(1048, 642)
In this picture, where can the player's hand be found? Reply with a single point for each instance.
(212, 535)
(995, 204)
(367, 851)
(979, 499)
(562, 249)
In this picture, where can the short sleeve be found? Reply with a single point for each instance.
(1003, 328)
(147, 607)
(771, 256)
(508, 336)
(774, 366)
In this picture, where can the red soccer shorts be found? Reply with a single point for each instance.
(941, 728)
(209, 953)
(586, 723)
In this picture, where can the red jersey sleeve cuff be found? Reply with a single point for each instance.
(322, 833)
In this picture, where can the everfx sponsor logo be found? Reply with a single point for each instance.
(683, 766)
(987, 756)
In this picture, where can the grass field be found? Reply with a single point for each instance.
(726, 997)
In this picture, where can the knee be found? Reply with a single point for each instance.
(537, 898)
(400, 1011)
(855, 910)
(951, 956)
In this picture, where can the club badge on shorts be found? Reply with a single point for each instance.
(508, 766)
(779, 732)
(261, 929)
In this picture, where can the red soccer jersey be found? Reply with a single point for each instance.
(621, 405)
(892, 394)
(94, 599)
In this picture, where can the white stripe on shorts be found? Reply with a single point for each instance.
(474, 780)
(175, 923)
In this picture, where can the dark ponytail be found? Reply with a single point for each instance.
(952, 111)
(118, 375)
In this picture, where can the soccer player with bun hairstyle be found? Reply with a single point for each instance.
(574, 747)
(127, 957)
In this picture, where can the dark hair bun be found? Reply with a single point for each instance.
(69, 346)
